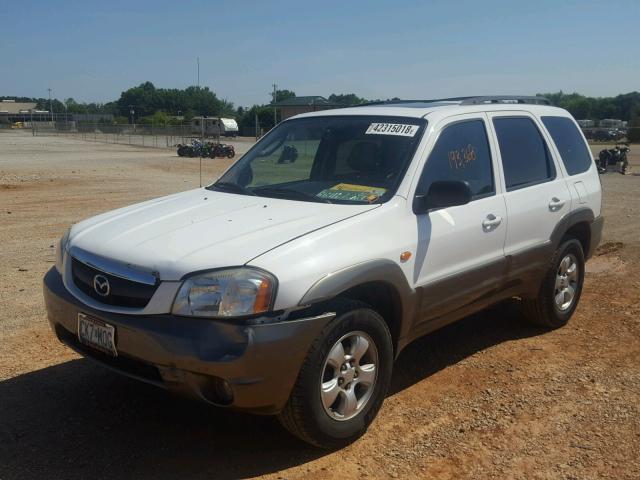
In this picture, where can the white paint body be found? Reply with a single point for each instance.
(302, 242)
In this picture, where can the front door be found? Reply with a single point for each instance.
(459, 257)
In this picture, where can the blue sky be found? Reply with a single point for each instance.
(410, 49)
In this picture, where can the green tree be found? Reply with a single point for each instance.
(265, 117)
(346, 98)
(146, 99)
(283, 95)
(158, 118)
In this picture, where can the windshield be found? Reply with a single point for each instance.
(333, 159)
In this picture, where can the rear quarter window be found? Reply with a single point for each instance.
(573, 151)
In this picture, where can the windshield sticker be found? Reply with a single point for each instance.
(401, 129)
(353, 193)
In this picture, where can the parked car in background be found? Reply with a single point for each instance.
(606, 135)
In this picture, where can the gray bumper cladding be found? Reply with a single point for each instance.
(195, 356)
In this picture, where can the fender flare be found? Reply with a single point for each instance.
(581, 215)
(378, 270)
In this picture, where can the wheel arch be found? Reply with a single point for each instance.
(578, 225)
(378, 283)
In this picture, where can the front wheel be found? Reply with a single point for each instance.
(344, 379)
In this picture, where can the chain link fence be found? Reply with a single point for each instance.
(168, 136)
(156, 136)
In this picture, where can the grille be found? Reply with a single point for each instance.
(123, 292)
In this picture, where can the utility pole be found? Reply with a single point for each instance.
(202, 120)
(50, 106)
(257, 127)
(198, 60)
(275, 110)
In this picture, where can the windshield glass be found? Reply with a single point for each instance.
(333, 159)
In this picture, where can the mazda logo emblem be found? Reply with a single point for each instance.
(101, 285)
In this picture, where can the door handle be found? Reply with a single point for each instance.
(491, 222)
(556, 204)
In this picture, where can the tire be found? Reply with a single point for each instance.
(305, 414)
(545, 310)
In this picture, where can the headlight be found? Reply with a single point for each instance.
(61, 247)
(225, 293)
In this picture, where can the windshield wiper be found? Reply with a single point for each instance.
(288, 193)
(230, 187)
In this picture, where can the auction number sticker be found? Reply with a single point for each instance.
(401, 129)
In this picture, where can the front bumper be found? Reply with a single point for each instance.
(193, 355)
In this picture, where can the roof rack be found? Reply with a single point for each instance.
(505, 99)
(470, 100)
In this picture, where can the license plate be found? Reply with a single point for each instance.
(97, 334)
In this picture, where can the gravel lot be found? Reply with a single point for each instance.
(488, 397)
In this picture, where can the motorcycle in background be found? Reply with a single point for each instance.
(207, 149)
(614, 156)
(222, 150)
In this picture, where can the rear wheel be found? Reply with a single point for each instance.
(344, 379)
(561, 288)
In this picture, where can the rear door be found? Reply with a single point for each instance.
(536, 193)
(459, 256)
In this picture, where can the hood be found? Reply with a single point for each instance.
(202, 229)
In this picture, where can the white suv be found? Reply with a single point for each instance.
(291, 284)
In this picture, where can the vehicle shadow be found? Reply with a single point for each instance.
(78, 420)
(449, 345)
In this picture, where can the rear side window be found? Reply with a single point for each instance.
(525, 157)
(575, 154)
(461, 153)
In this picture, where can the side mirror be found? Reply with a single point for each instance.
(442, 194)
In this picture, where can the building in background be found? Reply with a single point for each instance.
(13, 112)
(297, 105)
(24, 113)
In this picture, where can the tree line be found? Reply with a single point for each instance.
(150, 104)
(623, 107)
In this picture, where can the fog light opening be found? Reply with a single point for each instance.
(217, 390)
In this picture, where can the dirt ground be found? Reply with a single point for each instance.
(488, 397)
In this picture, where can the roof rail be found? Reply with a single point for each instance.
(400, 102)
(470, 100)
(505, 99)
